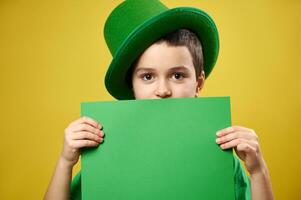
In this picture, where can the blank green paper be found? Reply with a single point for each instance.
(159, 149)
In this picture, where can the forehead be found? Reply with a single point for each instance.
(163, 56)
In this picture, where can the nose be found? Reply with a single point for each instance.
(163, 90)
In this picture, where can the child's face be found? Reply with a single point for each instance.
(164, 71)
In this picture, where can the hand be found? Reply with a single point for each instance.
(246, 145)
(83, 132)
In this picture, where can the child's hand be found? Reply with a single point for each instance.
(83, 132)
(246, 145)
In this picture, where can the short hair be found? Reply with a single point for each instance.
(180, 37)
(185, 37)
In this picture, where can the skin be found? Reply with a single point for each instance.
(162, 71)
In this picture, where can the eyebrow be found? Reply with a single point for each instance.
(179, 68)
(144, 69)
(148, 69)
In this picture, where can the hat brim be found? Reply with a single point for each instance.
(145, 35)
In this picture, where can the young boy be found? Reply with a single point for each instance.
(160, 53)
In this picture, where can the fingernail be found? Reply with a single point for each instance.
(217, 140)
(99, 133)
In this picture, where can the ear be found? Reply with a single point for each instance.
(200, 83)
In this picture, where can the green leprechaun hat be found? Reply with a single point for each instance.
(134, 25)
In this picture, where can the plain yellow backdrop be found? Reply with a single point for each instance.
(53, 56)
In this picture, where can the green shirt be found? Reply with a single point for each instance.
(241, 183)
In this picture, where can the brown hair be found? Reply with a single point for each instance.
(180, 37)
(185, 37)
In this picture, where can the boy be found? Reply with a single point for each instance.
(160, 53)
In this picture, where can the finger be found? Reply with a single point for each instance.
(234, 135)
(233, 143)
(87, 127)
(230, 129)
(85, 143)
(86, 135)
(87, 120)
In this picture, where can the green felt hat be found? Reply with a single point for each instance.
(134, 25)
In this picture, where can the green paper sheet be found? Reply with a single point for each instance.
(159, 149)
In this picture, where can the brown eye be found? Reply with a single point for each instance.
(178, 76)
(147, 77)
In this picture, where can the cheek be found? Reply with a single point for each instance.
(142, 91)
(185, 90)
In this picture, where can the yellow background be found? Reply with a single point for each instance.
(53, 56)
